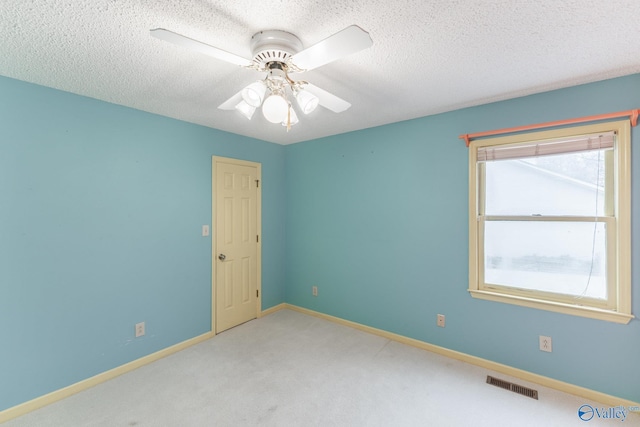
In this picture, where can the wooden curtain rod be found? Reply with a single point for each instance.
(632, 114)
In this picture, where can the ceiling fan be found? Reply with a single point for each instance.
(279, 54)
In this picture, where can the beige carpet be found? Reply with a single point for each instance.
(290, 369)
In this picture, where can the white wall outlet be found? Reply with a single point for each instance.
(205, 230)
(314, 291)
(545, 343)
(440, 320)
(139, 329)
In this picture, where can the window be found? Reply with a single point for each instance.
(549, 223)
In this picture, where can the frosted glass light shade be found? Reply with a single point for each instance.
(307, 101)
(254, 93)
(275, 108)
(293, 118)
(246, 109)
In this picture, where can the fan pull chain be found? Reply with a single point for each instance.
(289, 118)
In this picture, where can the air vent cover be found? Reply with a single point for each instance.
(525, 391)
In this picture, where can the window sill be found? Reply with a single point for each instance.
(558, 307)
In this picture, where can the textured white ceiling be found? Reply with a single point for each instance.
(428, 56)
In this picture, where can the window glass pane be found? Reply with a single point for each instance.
(565, 184)
(562, 257)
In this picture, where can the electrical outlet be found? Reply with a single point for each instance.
(139, 329)
(314, 291)
(545, 343)
(440, 320)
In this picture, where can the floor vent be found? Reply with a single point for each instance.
(525, 391)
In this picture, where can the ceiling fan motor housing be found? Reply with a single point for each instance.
(274, 46)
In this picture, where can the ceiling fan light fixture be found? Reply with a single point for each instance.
(306, 100)
(279, 53)
(246, 109)
(254, 93)
(275, 108)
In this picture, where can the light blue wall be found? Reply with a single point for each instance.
(101, 209)
(377, 219)
(100, 215)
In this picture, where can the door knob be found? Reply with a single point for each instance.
(222, 257)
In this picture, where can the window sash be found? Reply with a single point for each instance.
(609, 303)
(554, 218)
(609, 185)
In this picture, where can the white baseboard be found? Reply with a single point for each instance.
(487, 364)
(272, 309)
(62, 393)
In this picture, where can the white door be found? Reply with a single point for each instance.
(236, 252)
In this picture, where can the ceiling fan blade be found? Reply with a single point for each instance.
(230, 104)
(177, 39)
(328, 100)
(350, 40)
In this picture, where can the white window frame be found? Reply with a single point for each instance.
(618, 306)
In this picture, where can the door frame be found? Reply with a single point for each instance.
(258, 166)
